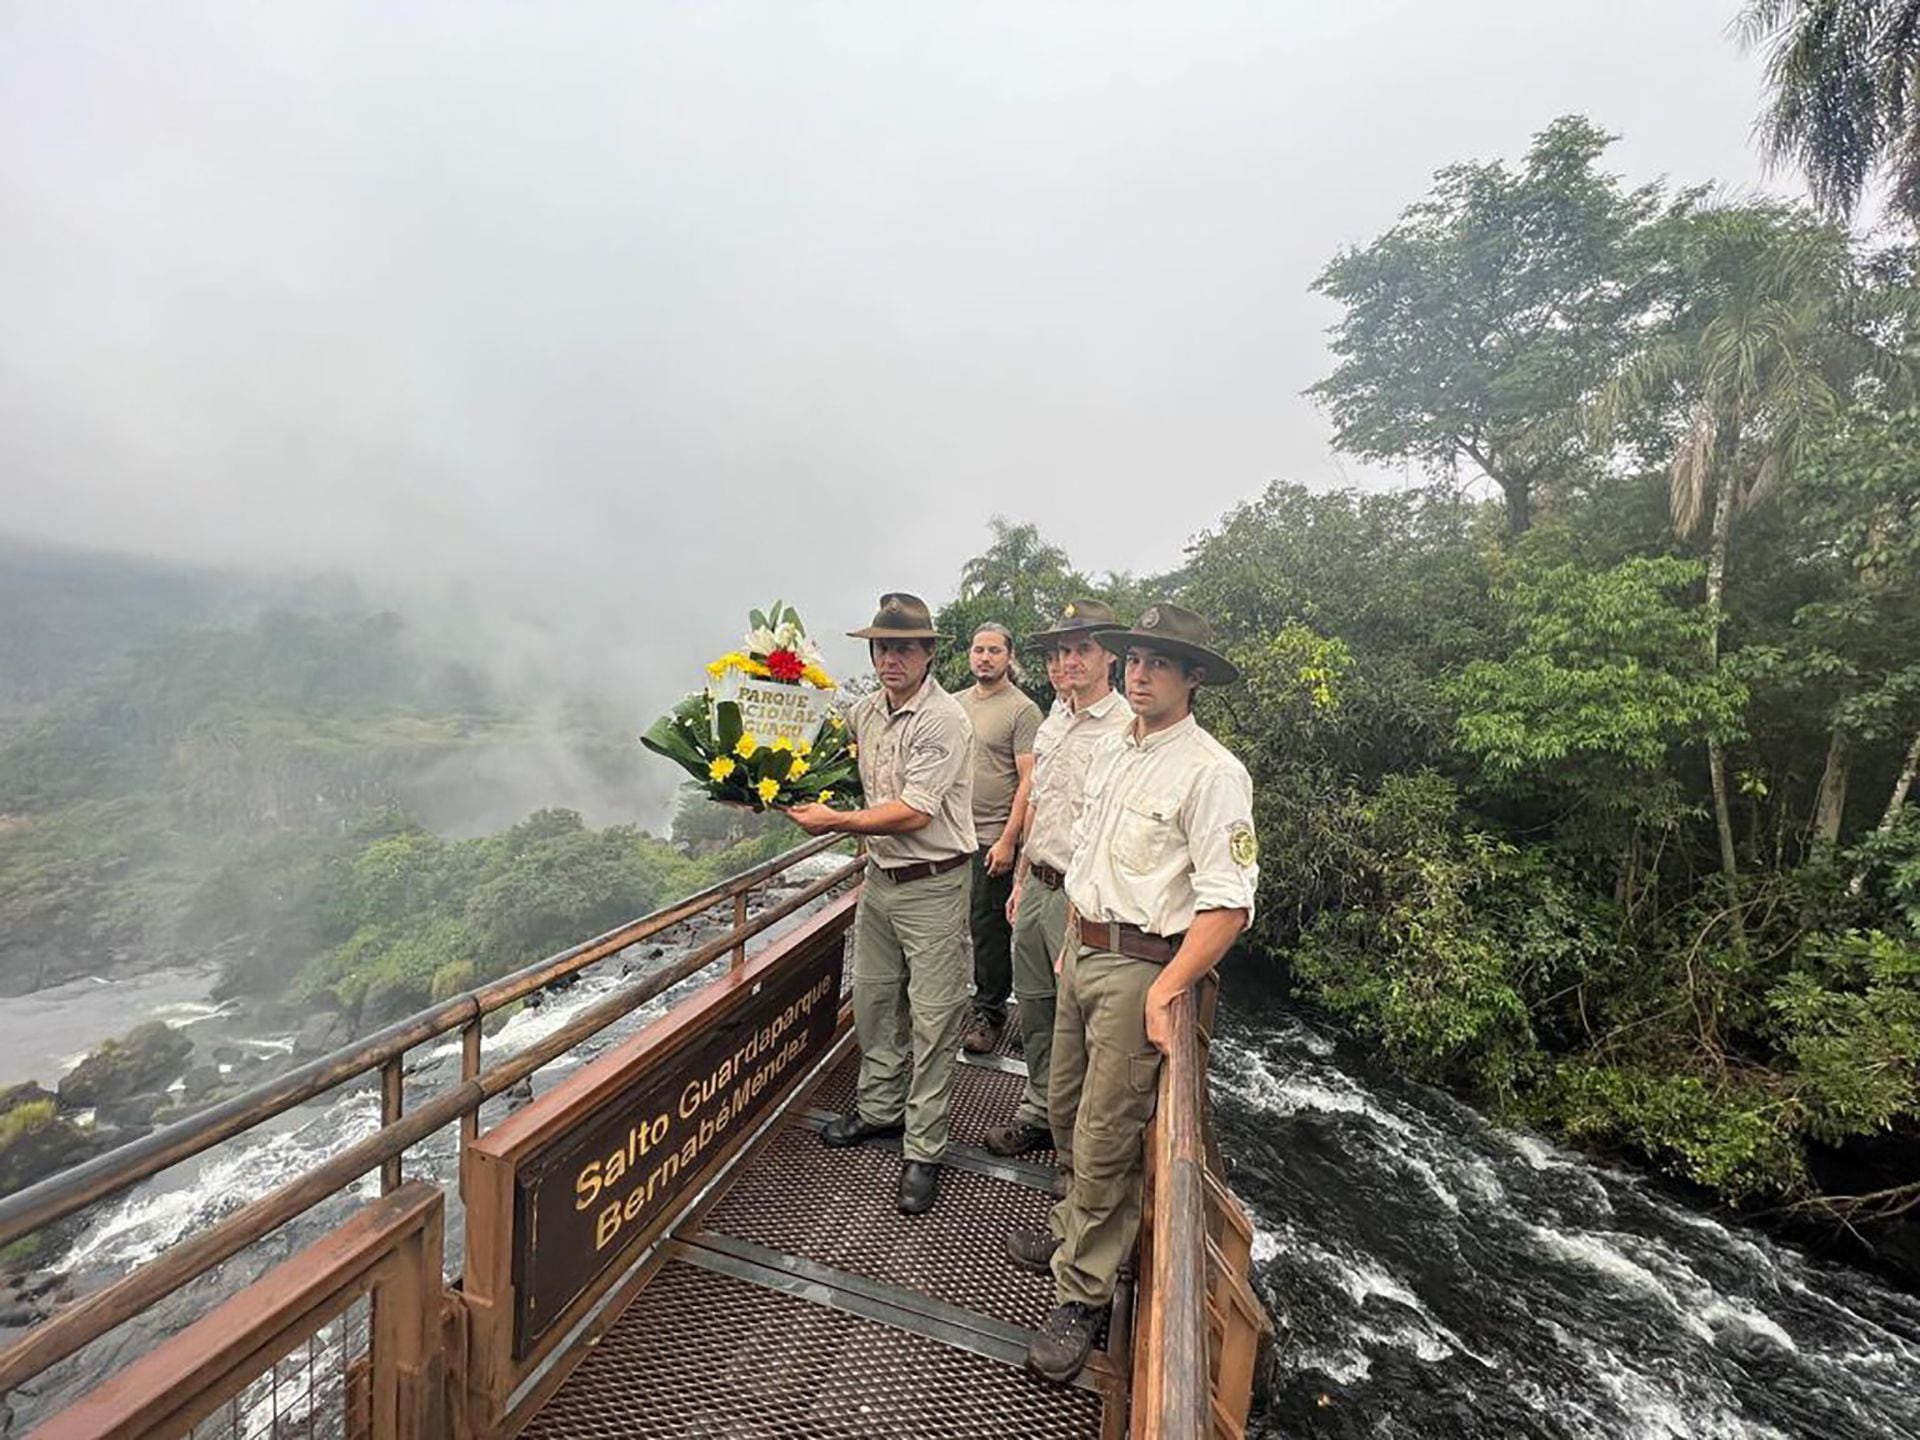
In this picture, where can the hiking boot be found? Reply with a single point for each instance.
(1059, 1352)
(919, 1187)
(982, 1033)
(850, 1129)
(1017, 1139)
(1031, 1249)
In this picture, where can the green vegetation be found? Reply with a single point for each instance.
(1589, 797)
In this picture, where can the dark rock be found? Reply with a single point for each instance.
(385, 1003)
(134, 1110)
(36, 1142)
(147, 1057)
(201, 1081)
(229, 1054)
(29, 1093)
(320, 1032)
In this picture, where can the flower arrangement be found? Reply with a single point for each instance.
(764, 733)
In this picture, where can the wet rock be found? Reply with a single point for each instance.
(29, 1093)
(229, 1055)
(200, 1083)
(134, 1110)
(519, 1093)
(35, 1142)
(147, 1057)
(385, 1003)
(320, 1032)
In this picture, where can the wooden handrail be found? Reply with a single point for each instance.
(94, 1315)
(1179, 1382)
(390, 1249)
(72, 1190)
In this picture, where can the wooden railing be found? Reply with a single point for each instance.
(93, 1316)
(389, 1253)
(1198, 1324)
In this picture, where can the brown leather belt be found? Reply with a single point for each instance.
(1128, 940)
(1046, 875)
(901, 874)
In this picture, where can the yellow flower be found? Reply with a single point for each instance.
(803, 749)
(825, 796)
(781, 743)
(768, 789)
(754, 668)
(836, 722)
(720, 767)
(817, 678)
(745, 746)
(799, 768)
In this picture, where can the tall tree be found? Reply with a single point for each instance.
(1844, 77)
(1478, 327)
(1755, 358)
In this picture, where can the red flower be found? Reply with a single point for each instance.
(785, 665)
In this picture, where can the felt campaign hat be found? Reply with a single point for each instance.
(1077, 618)
(900, 617)
(1174, 630)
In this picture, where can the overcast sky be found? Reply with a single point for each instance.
(591, 324)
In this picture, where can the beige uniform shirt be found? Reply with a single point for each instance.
(921, 753)
(1165, 831)
(1060, 754)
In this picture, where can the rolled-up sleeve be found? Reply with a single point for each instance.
(1219, 823)
(938, 753)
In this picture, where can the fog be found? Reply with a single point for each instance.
(575, 329)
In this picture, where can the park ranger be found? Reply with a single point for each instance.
(1088, 709)
(1161, 883)
(910, 954)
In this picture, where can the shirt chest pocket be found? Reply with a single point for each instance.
(1149, 829)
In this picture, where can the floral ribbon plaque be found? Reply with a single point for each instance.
(765, 732)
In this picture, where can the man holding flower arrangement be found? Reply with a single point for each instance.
(911, 960)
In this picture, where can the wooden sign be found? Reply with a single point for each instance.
(581, 1202)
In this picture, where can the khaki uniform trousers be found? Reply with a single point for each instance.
(911, 968)
(1104, 1085)
(1039, 928)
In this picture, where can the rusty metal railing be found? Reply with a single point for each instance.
(62, 1195)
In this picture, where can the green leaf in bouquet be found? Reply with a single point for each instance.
(727, 718)
(664, 738)
(772, 764)
(758, 620)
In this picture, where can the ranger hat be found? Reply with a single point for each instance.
(900, 617)
(1079, 617)
(1174, 630)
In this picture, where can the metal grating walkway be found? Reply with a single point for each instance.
(800, 1304)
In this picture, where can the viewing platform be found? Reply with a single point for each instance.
(660, 1245)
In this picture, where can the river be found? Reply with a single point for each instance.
(1433, 1275)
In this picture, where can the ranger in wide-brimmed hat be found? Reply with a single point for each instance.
(1087, 711)
(1175, 630)
(910, 955)
(900, 617)
(1160, 884)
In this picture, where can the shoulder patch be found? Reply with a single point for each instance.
(1241, 845)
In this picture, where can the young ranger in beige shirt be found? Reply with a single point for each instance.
(1162, 882)
(910, 953)
(1088, 709)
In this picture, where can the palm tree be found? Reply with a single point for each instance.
(1758, 354)
(1845, 106)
